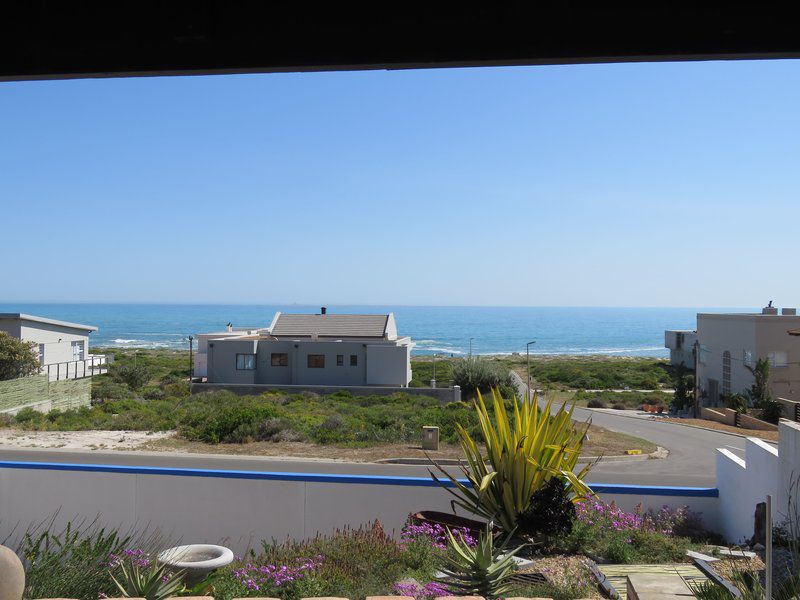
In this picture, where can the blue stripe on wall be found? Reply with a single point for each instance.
(600, 488)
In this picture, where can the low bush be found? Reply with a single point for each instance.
(596, 403)
(480, 374)
(619, 406)
(628, 400)
(133, 375)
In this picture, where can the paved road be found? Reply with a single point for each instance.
(691, 460)
(692, 452)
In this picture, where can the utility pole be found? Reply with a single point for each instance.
(470, 347)
(433, 382)
(696, 352)
(191, 363)
(528, 366)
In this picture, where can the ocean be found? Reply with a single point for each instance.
(444, 330)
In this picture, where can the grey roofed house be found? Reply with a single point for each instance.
(308, 349)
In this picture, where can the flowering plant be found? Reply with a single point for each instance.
(436, 533)
(261, 578)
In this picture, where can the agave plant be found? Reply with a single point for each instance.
(483, 570)
(153, 582)
(523, 456)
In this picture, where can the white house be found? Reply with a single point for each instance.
(63, 346)
(309, 349)
(681, 346)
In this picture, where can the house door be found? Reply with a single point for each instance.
(713, 391)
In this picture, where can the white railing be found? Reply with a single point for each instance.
(96, 364)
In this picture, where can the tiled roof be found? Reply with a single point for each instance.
(330, 325)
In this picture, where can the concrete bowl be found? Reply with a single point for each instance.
(196, 560)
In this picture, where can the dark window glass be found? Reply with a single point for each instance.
(245, 362)
(354, 360)
(340, 360)
(316, 361)
(280, 359)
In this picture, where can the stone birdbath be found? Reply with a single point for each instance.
(196, 560)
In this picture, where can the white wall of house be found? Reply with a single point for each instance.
(60, 343)
(681, 346)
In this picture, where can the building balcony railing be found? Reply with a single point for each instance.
(96, 364)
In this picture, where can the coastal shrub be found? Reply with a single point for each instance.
(596, 403)
(153, 393)
(735, 402)
(226, 423)
(594, 373)
(108, 389)
(619, 406)
(133, 375)
(17, 358)
(476, 374)
(632, 399)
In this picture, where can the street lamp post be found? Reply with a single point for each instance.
(191, 363)
(433, 382)
(528, 366)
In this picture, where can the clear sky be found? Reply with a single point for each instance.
(622, 185)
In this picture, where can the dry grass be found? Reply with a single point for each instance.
(771, 436)
(601, 441)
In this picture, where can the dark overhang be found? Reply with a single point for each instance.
(52, 39)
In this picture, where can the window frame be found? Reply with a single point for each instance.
(312, 357)
(244, 366)
(354, 360)
(81, 347)
(283, 359)
(773, 359)
(340, 360)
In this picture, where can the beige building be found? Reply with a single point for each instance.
(63, 346)
(309, 349)
(729, 343)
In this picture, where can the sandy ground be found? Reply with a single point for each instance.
(79, 440)
(601, 441)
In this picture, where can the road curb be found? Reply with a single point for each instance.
(603, 411)
(454, 462)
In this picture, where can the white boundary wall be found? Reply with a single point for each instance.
(743, 483)
(240, 508)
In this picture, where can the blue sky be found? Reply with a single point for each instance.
(620, 185)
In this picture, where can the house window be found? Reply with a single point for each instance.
(354, 360)
(340, 360)
(245, 362)
(280, 359)
(747, 357)
(77, 350)
(726, 372)
(778, 358)
(41, 354)
(316, 361)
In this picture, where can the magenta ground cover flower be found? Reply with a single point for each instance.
(136, 556)
(665, 520)
(263, 577)
(436, 533)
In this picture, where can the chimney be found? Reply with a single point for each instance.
(323, 310)
(769, 309)
(789, 311)
(229, 327)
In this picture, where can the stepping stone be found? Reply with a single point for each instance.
(734, 553)
(701, 556)
(650, 586)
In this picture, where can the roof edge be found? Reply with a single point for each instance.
(35, 319)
